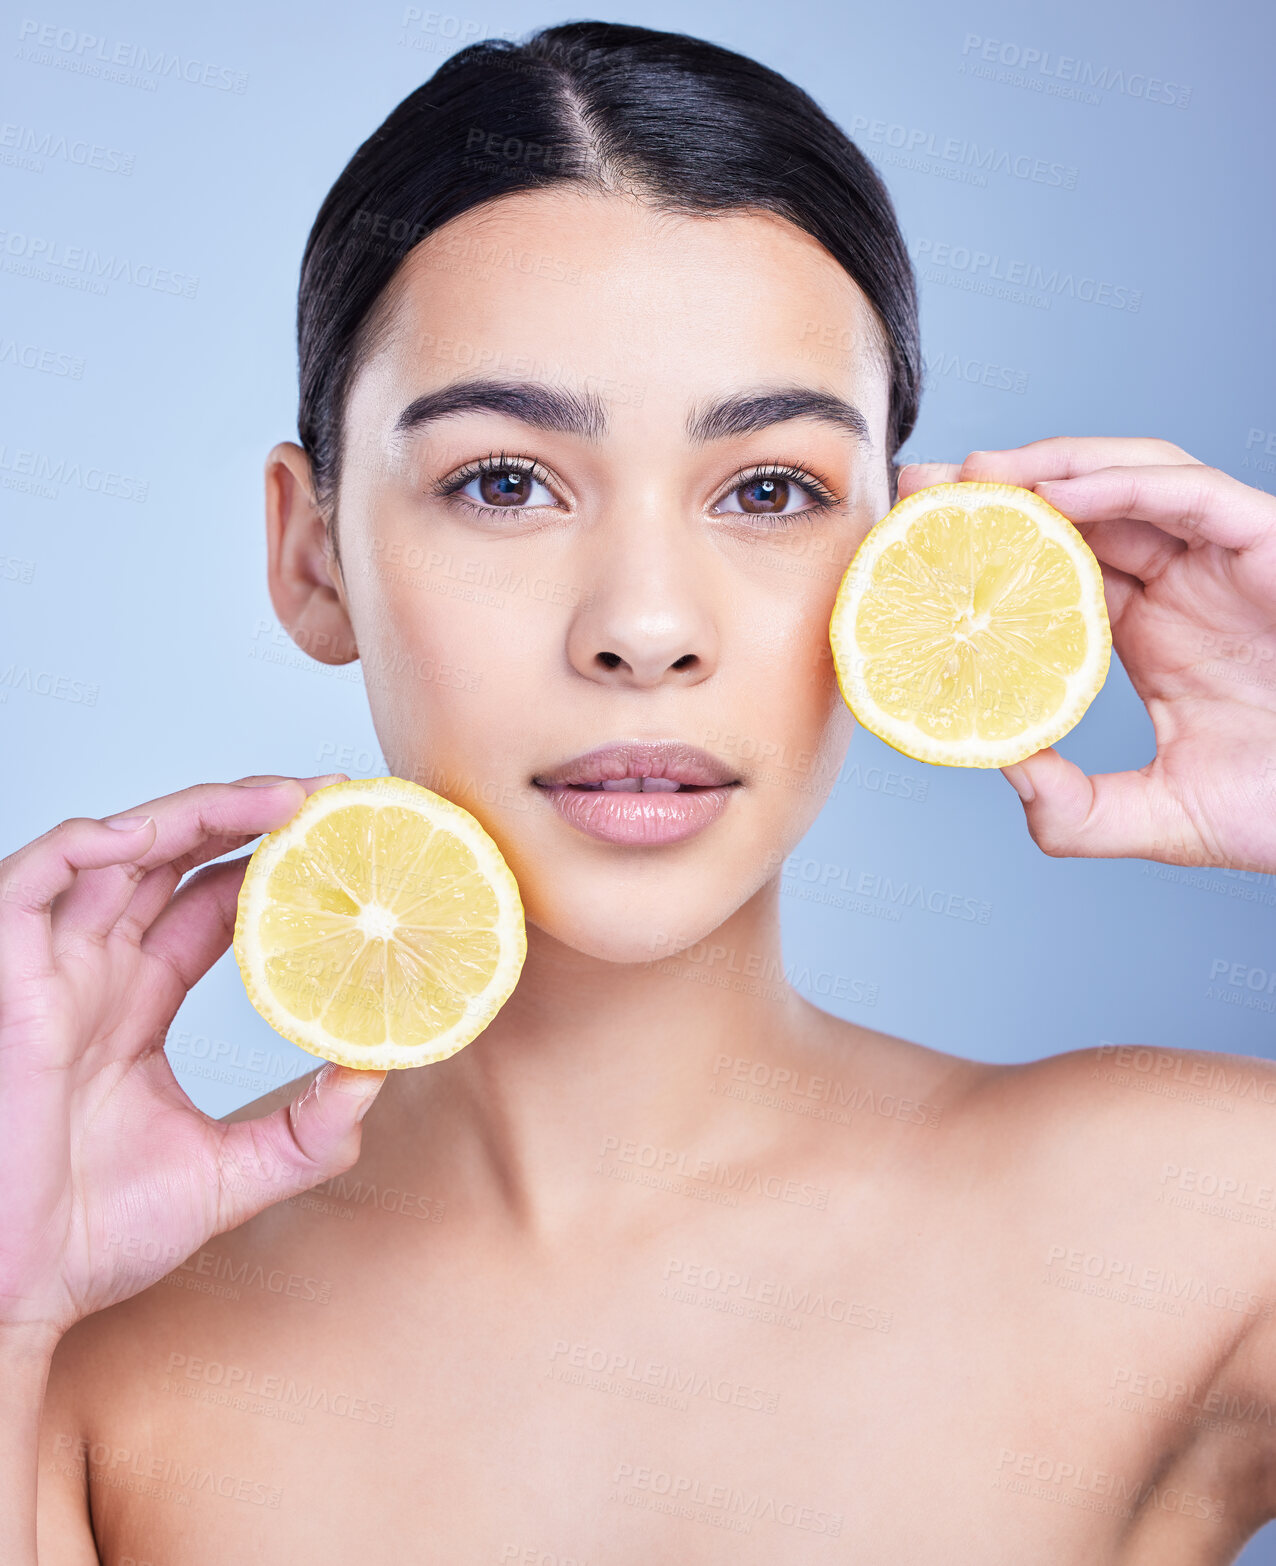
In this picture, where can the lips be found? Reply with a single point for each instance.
(640, 794)
(658, 767)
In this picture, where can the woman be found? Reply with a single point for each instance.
(582, 1292)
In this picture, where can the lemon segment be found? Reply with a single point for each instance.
(970, 628)
(380, 927)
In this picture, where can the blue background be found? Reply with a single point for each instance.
(155, 594)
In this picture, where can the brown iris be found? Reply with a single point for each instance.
(764, 494)
(504, 486)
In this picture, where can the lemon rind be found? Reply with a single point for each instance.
(1083, 686)
(510, 926)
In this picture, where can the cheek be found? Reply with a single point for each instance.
(797, 720)
(820, 720)
(451, 671)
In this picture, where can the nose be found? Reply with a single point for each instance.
(648, 619)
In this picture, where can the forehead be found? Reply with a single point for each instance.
(605, 293)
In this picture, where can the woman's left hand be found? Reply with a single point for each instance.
(1188, 556)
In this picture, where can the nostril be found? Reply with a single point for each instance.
(611, 660)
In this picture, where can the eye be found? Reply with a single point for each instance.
(775, 492)
(504, 486)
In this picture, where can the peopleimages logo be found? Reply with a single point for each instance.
(48, 361)
(38, 471)
(22, 146)
(981, 158)
(85, 268)
(978, 372)
(986, 271)
(90, 54)
(1026, 66)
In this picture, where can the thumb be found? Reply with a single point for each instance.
(1113, 815)
(317, 1135)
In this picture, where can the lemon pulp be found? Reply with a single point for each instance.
(380, 927)
(970, 629)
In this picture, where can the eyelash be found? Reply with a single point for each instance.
(821, 494)
(498, 462)
(494, 462)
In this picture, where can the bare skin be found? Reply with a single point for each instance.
(927, 1321)
(667, 1264)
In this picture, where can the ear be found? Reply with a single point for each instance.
(306, 588)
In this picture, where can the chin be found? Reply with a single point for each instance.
(636, 926)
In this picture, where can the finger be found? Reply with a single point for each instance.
(921, 475)
(1113, 815)
(1067, 456)
(314, 1137)
(1141, 550)
(1195, 504)
(156, 889)
(206, 820)
(99, 901)
(193, 931)
(1119, 590)
(203, 852)
(31, 878)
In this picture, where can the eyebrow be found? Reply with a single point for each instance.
(745, 412)
(543, 407)
(570, 413)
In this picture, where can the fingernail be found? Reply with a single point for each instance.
(327, 777)
(127, 823)
(366, 1083)
(264, 783)
(1018, 780)
(358, 1084)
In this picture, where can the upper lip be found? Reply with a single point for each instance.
(670, 759)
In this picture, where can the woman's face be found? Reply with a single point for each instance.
(612, 529)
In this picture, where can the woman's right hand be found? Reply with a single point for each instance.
(109, 1175)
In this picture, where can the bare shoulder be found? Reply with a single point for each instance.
(889, 1074)
(1142, 1100)
(1120, 1162)
(1144, 1147)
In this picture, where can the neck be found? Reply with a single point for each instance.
(597, 1067)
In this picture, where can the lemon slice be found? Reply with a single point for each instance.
(970, 629)
(380, 927)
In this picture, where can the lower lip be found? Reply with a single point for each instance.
(621, 816)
